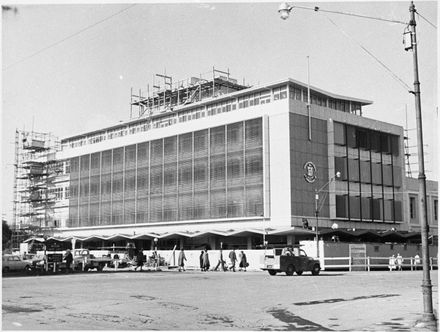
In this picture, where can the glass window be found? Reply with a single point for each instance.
(366, 208)
(353, 170)
(341, 206)
(355, 207)
(339, 129)
(377, 209)
(412, 207)
(365, 171)
(341, 166)
(377, 173)
(351, 137)
(435, 210)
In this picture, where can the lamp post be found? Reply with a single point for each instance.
(317, 191)
(428, 315)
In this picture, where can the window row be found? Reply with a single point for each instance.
(366, 139)
(368, 209)
(235, 203)
(365, 171)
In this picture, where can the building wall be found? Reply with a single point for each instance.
(212, 173)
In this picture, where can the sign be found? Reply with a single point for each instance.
(53, 246)
(309, 172)
(358, 256)
(54, 258)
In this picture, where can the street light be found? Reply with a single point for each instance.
(428, 314)
(317, 191)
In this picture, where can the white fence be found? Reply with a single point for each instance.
(374, 262)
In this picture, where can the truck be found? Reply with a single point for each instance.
(289, 260)
(84, 260)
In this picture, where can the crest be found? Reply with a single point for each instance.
(309, 172)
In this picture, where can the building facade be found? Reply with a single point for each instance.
(218, 159)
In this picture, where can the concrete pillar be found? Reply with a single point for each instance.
(73, 243)
(249, 242)
(290, 240)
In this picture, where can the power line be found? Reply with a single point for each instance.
(68, 37)
(397, 78)
(433, 25)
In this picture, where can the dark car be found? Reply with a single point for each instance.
(289, 260)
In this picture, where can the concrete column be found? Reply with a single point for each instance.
(249, 242)
(73, 243)
(290, 240)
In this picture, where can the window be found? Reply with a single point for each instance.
(412, 207)
(339, 130)
(435, 210)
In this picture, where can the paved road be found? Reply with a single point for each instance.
(192, 300)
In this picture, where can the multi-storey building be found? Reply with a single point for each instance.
(216, 160)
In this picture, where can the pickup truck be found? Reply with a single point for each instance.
(84, 260)
(289, 260)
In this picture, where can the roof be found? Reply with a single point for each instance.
(234, 94)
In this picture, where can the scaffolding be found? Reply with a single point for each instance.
(35, 172)
(168, 96)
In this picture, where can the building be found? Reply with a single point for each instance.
(211, 161)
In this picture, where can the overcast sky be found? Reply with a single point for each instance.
(68, 69)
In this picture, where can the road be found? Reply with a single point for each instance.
(194, 300)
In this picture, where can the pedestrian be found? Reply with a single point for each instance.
(69, 259)
(140, 259)
(201, 260)
(243, 262)
(205, 260)
(399, 261)
(233, 258)
(221, 262)
(181, 260)
(116, 261)
(417, 261)
(392, 263)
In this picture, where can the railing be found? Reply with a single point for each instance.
(376, 262)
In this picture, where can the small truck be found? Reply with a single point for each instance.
(289, 260)
(84, 260)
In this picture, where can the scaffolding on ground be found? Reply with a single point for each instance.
(35, 173)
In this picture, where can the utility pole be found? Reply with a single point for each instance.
(428, 314)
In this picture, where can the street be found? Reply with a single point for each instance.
(194, 300)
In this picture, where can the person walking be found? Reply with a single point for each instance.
(392, 263)
(243, 262)
(221, 262)
(181, 260)
(69, 259)
(206, 260)
(233, 258)
(201, 260)
(399, 261)
(140, 259)
(417, 261)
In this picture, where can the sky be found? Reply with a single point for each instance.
(69, 68)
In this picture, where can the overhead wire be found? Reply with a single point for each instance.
(67, 37)
(393, 75)
(432, 24)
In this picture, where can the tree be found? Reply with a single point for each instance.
(6, 235)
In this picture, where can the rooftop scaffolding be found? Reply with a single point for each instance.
(168, 96)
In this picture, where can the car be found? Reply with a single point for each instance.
(15, 263)
(289, 260)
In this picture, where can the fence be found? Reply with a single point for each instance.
(375, 262)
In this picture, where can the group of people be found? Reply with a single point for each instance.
(205, 263)
(395, 262)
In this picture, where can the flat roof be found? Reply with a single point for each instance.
(234, 94)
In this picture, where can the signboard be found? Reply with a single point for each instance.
(358, 256)
(54, 258)
(53, 246)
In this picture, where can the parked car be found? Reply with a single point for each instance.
(15, 263)
(289, 260)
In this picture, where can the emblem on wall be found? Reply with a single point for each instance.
(310, 172)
